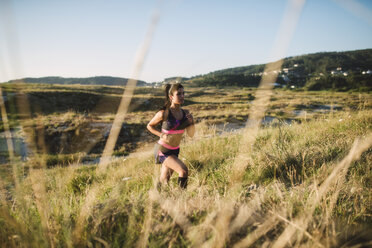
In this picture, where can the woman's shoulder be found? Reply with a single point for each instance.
(160, 114)
(163, 114)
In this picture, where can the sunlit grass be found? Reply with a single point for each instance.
(287, 167)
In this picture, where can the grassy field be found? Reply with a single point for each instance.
(305, 181)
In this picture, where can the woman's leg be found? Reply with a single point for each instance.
(165, 174)
(175, 164)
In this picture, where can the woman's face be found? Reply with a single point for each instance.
(178, 97)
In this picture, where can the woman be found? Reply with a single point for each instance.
(174, 121)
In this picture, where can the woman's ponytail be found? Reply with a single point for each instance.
(167, 103)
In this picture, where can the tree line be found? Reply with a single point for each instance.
(311, 71)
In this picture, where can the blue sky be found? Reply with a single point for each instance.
(84, 38)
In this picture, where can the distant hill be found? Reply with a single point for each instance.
(341, 71)
(104, 80)
(318, 71)
(173, 79)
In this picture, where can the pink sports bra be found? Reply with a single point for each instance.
(174, 126)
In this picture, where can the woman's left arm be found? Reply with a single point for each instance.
(190, 129)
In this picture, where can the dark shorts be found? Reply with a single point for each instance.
(161, 153)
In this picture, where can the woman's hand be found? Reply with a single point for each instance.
(189, 118)
(164, 137)
(151, 126)
(190, 129)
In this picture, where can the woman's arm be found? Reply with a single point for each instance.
(154, 122)
(191, 127)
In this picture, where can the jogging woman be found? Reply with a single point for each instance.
(175, 121)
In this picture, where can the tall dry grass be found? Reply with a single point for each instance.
(289, 187)
(310, 189)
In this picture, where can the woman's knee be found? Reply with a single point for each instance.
(174, 164)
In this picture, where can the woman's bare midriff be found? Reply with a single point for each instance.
(172, 139)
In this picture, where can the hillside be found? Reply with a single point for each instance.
(55, 193)
(287, 191)
(340, 71)
(102, 80)
(326, 70)
(70, 112)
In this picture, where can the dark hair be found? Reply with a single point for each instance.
(169, 89)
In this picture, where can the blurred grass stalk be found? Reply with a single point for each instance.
(264, 91)
(118, 121)
(8, 137)
(134, 213)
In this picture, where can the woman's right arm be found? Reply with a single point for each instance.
(154, 122)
